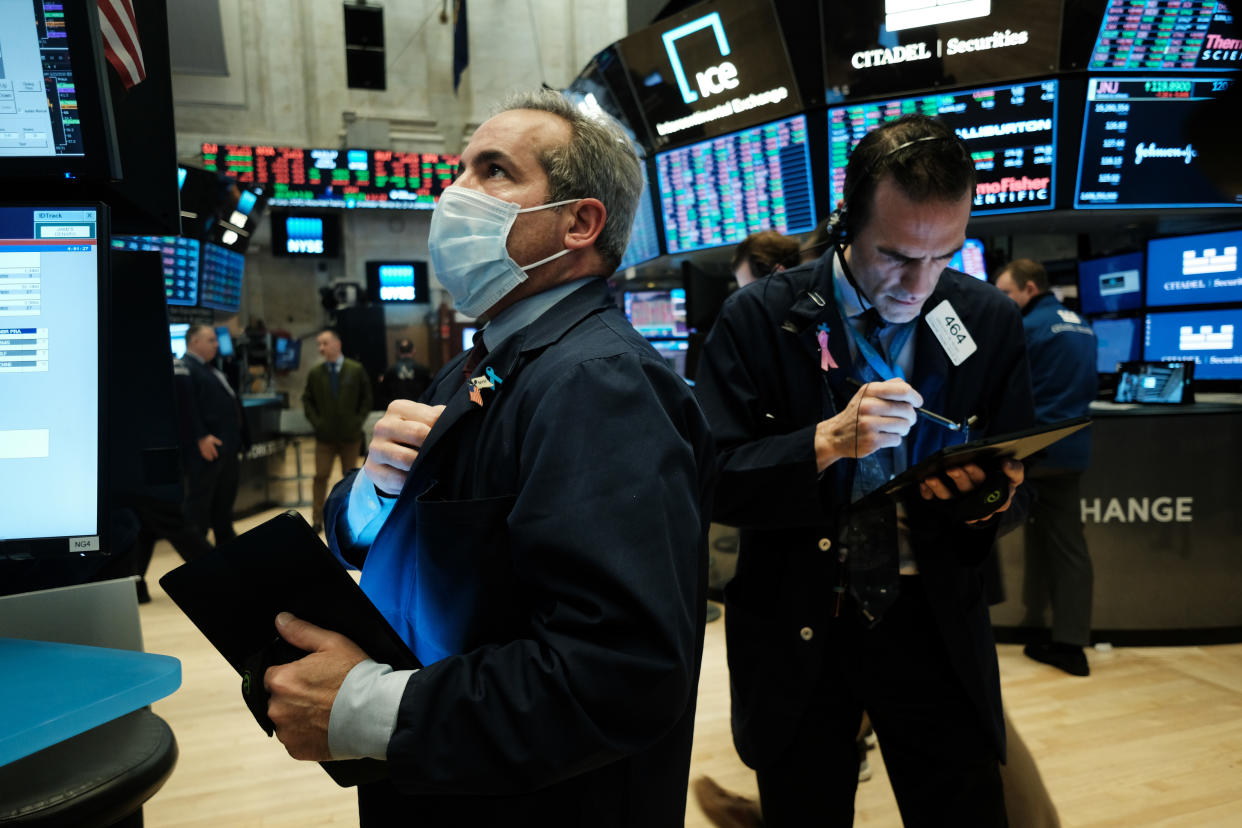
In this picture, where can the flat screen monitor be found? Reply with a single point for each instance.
(52, 279)
(885, 47)
(1011, 132)
(674, 353)
(1117, 341)
(55, 115)
(1195, 270)
(287, 353)
(644, 237)
(306, 235)
(225, 337)
(720, 191)
(222, 271)
(1111, 283)
(177, 338)
(1135, 151)
(362, 179)
(970, 260)
(1179, 36)
(398, 281)
(1212, 339)
(657, 313)
(179, 256)
(1158, 383)
(711, 69)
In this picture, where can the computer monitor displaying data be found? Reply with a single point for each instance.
(1011, 132)
(225, 338)
(51, 281)
(1195, 270)
(286, 353)
(362, 179)
(1211, 338)
(1111, 283)
(177, 338)
(1172, 36)
(222, 271)
(720, 191)
(657, 314)
(644, 237)
(52, 118)
(1117, 341)
(1135, 150)
(179, 257)
(970, 260)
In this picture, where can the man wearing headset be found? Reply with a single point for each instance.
(817, 384)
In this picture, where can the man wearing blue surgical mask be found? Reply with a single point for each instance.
(534, 527)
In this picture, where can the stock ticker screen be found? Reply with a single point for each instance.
(221, 278)
(1166, 35)
(38, 92)
(1135, 151)
(720, 191)
(368, 179)
(1011, 132)
(644, 237)
(179, 257)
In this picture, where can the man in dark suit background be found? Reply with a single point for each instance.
(837, 609)
(536, 533)
(336, 401)
(214, 424)
(405, 379)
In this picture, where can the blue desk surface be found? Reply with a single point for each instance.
(50, 692)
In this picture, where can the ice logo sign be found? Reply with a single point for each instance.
(911, 14)
(710, 81)
(1195, 264)
(304, 235)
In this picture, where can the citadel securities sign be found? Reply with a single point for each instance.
(923, 50)
(703, 74)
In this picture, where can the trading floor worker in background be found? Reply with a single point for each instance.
(762, 254)
(405, 379)
(1061, 349)
(537, 533)
(336, 401)
(214, 429)
(835, 608)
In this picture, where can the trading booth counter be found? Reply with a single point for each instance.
(1160, 512)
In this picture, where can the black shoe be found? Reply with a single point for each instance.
(1067, 657)
(144, 595)
(317, 528)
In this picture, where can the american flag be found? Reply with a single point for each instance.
(120, 37)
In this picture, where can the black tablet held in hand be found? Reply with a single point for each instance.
(234, 594)
(1017, 445)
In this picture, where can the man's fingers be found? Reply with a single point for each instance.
(894, 390)
(302, 634)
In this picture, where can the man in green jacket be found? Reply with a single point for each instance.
(336, 401)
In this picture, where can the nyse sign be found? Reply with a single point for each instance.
(1138, 510)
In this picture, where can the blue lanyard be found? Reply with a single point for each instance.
(865, 349)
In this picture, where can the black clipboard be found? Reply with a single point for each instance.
(233, 595)
(1017, 445)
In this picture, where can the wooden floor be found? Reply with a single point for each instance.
(1152, 738)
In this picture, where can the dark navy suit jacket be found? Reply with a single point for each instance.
(546, 561)
(762, 387)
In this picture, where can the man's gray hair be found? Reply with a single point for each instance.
(598, 162)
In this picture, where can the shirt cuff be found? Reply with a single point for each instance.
(364, 713)
(366, 511)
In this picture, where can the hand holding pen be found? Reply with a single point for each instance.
(878, 416)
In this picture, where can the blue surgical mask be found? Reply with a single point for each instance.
(469, 232)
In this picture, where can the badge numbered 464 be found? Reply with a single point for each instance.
(951, 332)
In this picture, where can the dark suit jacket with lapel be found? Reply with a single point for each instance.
(337, 418)
(760, 383)
(207, 408)
(546, 560)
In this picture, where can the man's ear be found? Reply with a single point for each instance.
(587, 222)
